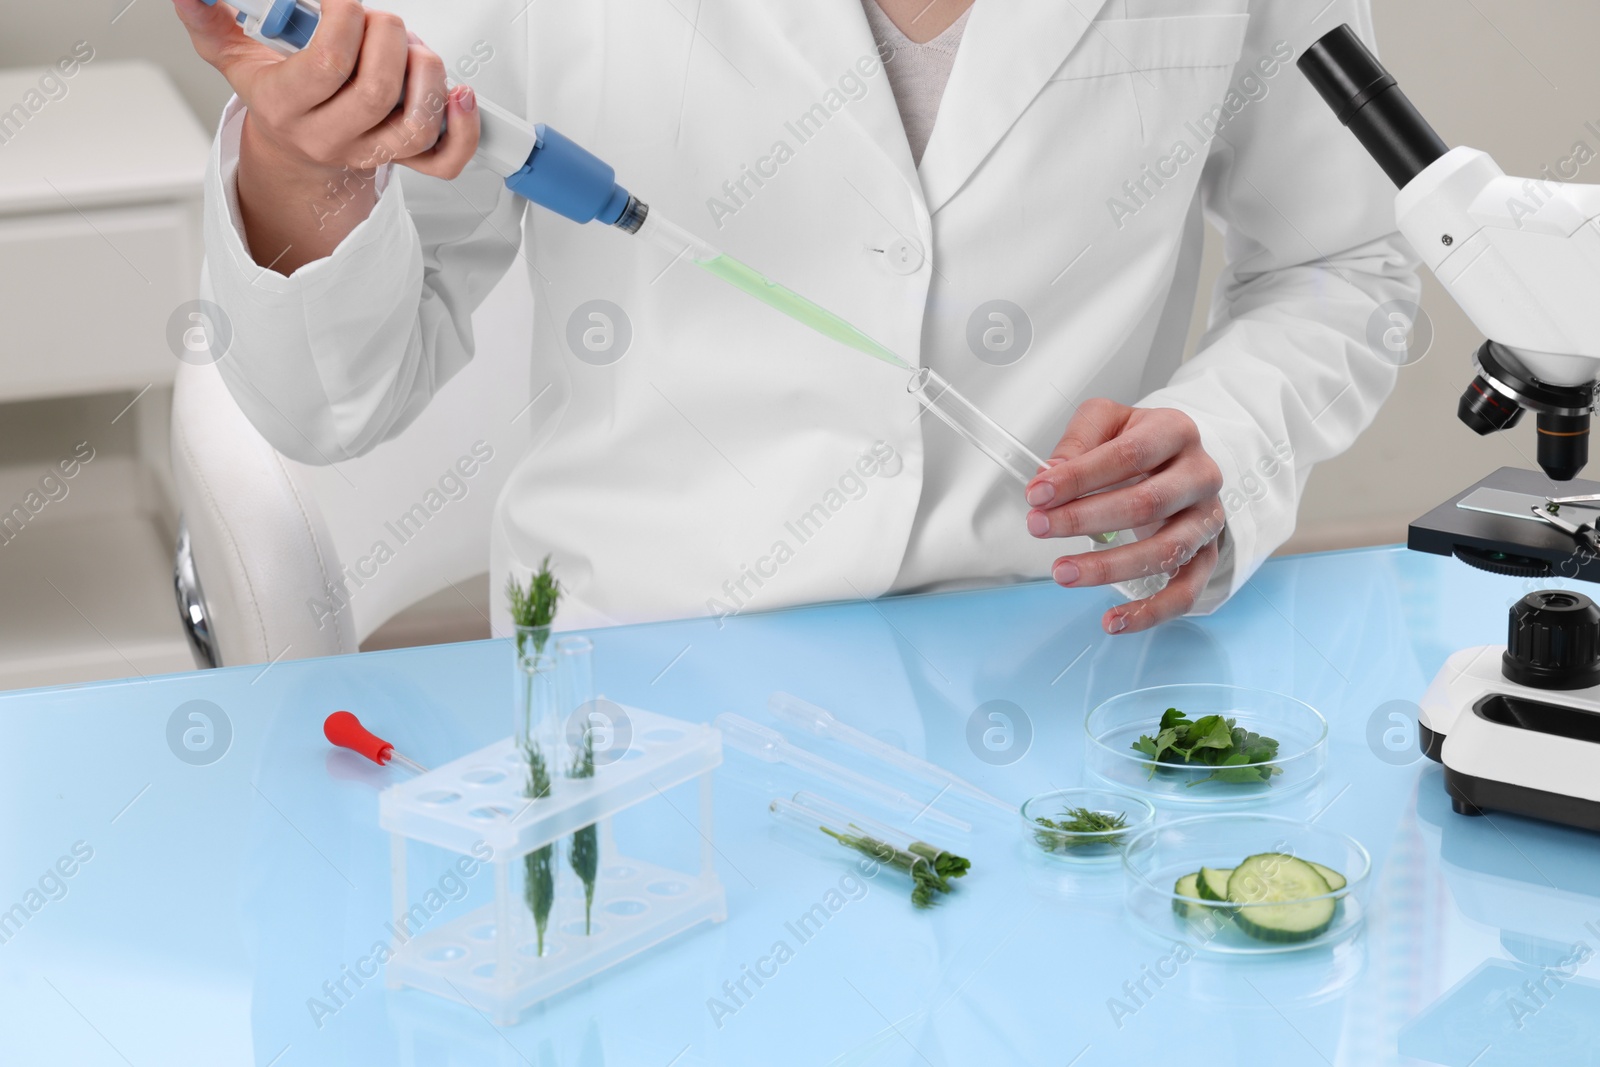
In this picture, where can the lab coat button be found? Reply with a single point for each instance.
(904, 256)
(880, 461)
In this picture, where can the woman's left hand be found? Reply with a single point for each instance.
(1123, 468)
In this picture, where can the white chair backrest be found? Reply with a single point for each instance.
(298, 561)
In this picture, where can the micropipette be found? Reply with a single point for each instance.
(345, 730)
(796, 712)
(759, 741)
(537, 162)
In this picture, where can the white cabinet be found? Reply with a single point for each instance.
(101, 176)
(99, 228)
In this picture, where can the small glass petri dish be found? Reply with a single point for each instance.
(1083, 846)
(1258, 920)
(1115, 726)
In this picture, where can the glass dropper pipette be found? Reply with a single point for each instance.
(767, 744)
(790, 709)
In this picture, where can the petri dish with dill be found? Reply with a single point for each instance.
(1206, 743)
(1083, 825)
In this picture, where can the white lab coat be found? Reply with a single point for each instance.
(732, 460)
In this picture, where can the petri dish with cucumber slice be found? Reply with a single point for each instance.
(1247, 884)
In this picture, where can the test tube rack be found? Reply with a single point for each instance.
(486, 958)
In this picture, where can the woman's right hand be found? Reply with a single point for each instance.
(320, 122)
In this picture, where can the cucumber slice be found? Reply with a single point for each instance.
(1335, 880)
(1186, 887)
(1213, 883)
(1272, 891)
(1192, 906)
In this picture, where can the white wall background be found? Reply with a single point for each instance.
(1517, 78)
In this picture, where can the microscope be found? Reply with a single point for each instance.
(1516, 726)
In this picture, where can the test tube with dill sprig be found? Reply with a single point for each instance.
(533, 610)
(575, 666)
(539, 884)
(930, 867)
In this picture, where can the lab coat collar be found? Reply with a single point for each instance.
(831, 36)
(1008, 53)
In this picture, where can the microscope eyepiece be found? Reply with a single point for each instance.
(1366, 98)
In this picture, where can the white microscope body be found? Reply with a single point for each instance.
(1516, 730)
(1520, 255)
(1491, 760)
(1522, 258)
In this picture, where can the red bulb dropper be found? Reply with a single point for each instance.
(345, 730)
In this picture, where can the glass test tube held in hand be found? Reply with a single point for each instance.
(976, 428)
(1013, 457)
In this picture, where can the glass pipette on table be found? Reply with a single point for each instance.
(767, 744)
(790, 709)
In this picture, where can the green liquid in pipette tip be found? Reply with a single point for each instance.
(797, 307)
(804, 311)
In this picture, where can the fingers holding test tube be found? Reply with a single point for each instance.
(1116, 468)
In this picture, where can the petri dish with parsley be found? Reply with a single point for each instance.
(1206, 743)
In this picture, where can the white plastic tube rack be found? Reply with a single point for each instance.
(486, 957)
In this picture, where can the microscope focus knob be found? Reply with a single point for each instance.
(1553, 641)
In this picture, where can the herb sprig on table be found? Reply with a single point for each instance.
(1053, 833)
(1210, 741)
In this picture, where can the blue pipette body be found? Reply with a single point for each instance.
(557, 173)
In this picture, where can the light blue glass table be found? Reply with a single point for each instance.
(211, 907)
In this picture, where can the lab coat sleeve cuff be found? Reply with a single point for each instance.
(1236, 545)
(226, 226)
(322, 361)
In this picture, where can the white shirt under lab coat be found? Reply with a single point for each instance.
(732, 460)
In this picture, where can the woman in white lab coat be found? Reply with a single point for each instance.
(699, 454)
